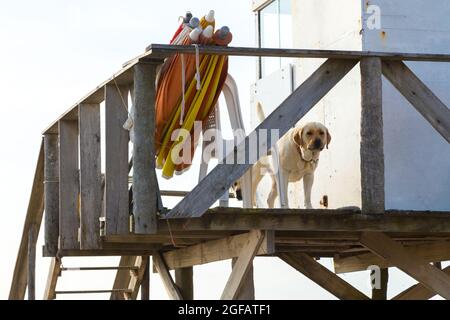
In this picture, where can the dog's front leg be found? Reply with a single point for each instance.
(283, 182)
(308, 181)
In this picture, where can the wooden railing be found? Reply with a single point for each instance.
(78, 133)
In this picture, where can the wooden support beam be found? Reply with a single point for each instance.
(144, 175)
(145, 285)
(33, 217)
(418, 291)
(371, 150)
(242, 266)
(430, 276)
(247, 289)
(51, 191)
(419, 95)
(184, 279)
(69, 185)
(52, 279)
(31, 278)
(123, 277)
(215, 250)
(90, 176)
(438, 251)
(322, 276)
(381, 292)
(137, 277)
(212, 187)
(171, 288)
(116, 161)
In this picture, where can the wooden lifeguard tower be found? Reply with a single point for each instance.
(126, 218)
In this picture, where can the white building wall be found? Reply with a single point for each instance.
(417, 158)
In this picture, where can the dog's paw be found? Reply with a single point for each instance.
(308, 206)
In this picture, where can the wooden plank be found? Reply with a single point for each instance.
(237, 219)
(136, 279)
(283, 118)
(381, 292)
(68, 185)
(144, 176)
(418, 291)
(90, 176)
(164, 50)
(322, 276)
(145, 285)
(438, 251)
(214, 250)
(171, 289)
(242, 265)
(51, 191)
(260, 4)
(123, 277)
(116, 160)
(419, 95)
(371, 150)
(247, 288)
(52, 279)
(31, 277)
(184, 279)
(33, 217)
(430, 276)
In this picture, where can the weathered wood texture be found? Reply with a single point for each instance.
(418, 291)
(242, 266)
(144, 176)
(90, 176)
(51, 191)
(214, 250)
(213, 186)
(52, 279)
(31, 277)
(371, 150)
(184, 279)
(381, 292)
(116, 161)
(137, 277)
(234, 219)
(171, 289)
(68, 185)
(430, 276)
(419, 95)
(322, 276)
(163, 50)
(33, 217)
(247, 288)
(123, 277)
(437, 251)
(145, 285)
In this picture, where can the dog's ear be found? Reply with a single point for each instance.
(298, 138)
(328, 138)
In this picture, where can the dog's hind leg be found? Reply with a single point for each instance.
(308, 181)
(273, 193)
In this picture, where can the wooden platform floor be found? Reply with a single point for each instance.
(320, 233)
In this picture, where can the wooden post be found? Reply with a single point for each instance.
(116, 161)
(53, 273)
(381, 293)
(69, 185)
(372, 154)
(145, 285)
(51, 192)
(90, 176)
(172, 290)
(247, 289)
(184, 279)
(144, 176)
(31, 280)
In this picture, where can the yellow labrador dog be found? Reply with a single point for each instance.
(298, 152)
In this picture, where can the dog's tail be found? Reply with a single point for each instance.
(260, 112)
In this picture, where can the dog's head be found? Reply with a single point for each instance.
(313, 136)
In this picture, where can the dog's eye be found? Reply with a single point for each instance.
(309, 133)
(321, 133)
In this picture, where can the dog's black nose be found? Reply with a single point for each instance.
(317, 143)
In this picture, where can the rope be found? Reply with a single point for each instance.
(183, 88)
(172, 239)
(197, 66)
(121, 97)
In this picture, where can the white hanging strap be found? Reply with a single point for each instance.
(183, 88)
(197, 65)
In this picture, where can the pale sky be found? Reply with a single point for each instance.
(54, 52)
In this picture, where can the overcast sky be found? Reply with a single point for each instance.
(54, 52)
